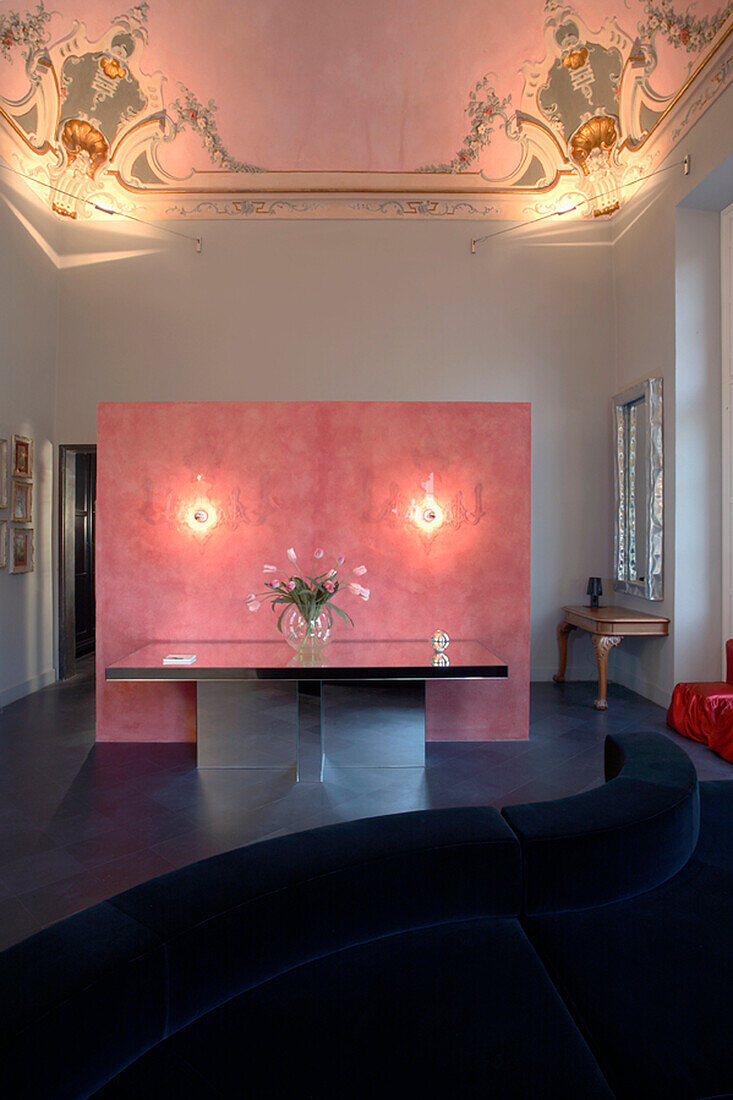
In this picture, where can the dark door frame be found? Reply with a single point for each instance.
(67, 504)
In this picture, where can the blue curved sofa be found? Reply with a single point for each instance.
(575, 948)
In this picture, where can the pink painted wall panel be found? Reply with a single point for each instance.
(333, 474)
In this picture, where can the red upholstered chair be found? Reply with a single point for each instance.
(704, 712)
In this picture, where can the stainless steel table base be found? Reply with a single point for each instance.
(246, 724)
(310, 759)
(303, 725)
(374, 725)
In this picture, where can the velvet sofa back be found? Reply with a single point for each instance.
(82, 999)
(615, 841)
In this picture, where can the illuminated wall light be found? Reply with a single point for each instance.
(200, 514)
(66, 209)
(426, 516)
(201, 520)
(609, 200)
(427, 513)
(201, 508)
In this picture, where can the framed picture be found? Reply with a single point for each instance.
(22, 456)
(3, 543)
(3, 473)
(21, 550)
(21, 506)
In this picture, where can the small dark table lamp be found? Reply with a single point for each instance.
(594, 590)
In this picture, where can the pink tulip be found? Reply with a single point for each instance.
(269, 569)
(291, 555)
(329, 586)
(251, 597)
(360, 570)
(254, 605)
(355, 588)
(318, 553)
(291, 585)
(341, 559)
(364, 593)
(275, 584)
(332, 573)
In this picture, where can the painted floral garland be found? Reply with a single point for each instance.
(28, 30)
(484, 108)
(188, 111)
(682, 31)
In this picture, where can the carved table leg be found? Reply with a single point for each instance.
(603, 644)
(563, 629)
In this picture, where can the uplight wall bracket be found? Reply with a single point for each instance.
(603, 211)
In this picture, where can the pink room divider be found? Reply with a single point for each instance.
(434, 498)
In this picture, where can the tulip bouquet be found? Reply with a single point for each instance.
(308, 596)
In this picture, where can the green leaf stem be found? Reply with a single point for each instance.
(308, 595)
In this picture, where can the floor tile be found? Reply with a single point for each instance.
(81, 821)
(38, 869)
(16, 922)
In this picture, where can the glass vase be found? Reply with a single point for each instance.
(302, 633)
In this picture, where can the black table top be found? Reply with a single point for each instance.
(340, 660)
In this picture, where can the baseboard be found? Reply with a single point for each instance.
(641, 686)
(638, 684)
(9, 695)
(543, 674)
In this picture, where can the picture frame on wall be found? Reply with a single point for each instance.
(3, 543)
(21, 550)
(21, 507)
(22, 457)
(3, 473)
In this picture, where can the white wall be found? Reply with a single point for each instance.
(28, 331)
(650, 237)
(698, 596)
(374, 310)
(726, 296)
(398, 310)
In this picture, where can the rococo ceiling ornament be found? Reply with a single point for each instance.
(586, 126)
(93, 121)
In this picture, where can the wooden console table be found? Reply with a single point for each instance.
(608, 626)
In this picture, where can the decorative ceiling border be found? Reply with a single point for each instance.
(588, 126)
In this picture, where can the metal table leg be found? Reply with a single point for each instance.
(309, 768)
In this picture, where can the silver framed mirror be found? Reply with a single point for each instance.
(639, 490)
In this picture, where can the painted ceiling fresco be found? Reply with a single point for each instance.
(423, 108)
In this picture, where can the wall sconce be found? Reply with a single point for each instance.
(202, 513)
(199, 513)
(427, 515)
(202, 508)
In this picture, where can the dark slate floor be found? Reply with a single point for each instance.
(80, 822)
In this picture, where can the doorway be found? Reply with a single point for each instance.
(77, 522)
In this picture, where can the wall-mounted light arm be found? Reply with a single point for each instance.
(102, 208)
(581, 202)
